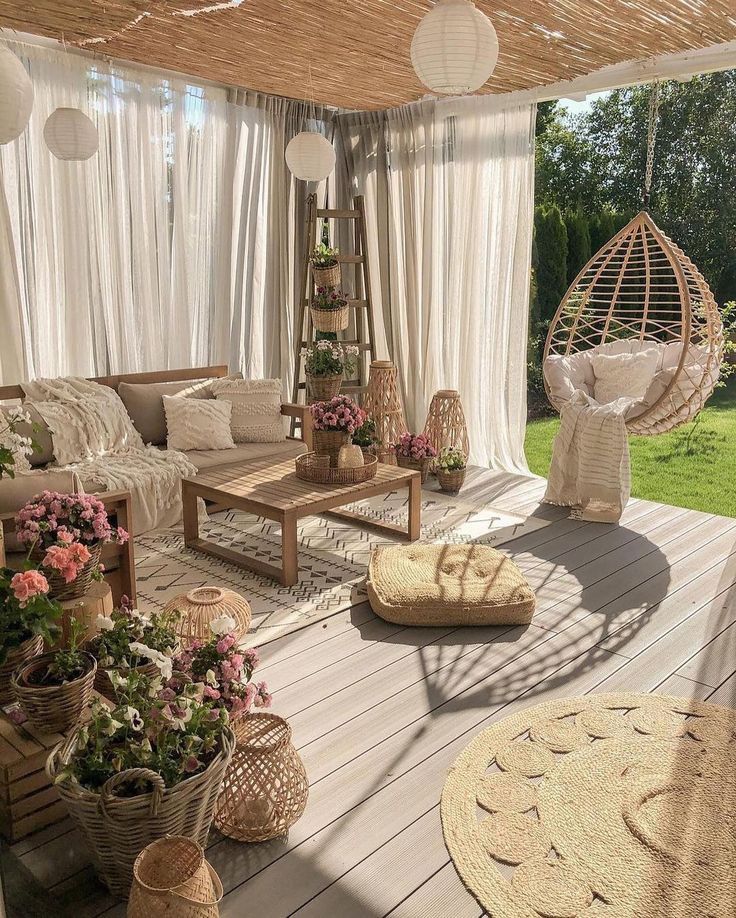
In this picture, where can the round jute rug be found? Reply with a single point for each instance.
(606, 806)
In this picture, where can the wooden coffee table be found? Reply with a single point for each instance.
(273, 491)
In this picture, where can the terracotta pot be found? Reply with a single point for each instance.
(53, 708)
(323, 388)
(423, 465)
(329, 443)
(327, 277)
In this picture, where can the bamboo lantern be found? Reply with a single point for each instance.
(265, 788)
(201, 606)
(445, 427)
(383, 405)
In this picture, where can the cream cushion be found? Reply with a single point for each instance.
(245, 452)
(623, 375)
(256, 416)
(448, 585)
(197, 423)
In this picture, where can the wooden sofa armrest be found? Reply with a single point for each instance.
(304, 416)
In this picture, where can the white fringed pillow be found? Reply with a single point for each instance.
(194, 423)
(623, 375)
(256, 407)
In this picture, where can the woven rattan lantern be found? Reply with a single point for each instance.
(265, 788)
(455, 48)
(203, 605)
(171, 877)
(445, 427)
(70, 135)
(16, 96)
(310, 156)
(383, 405)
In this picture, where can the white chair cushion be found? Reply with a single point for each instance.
(194, 423)
(623, 375)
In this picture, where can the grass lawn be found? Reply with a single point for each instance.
(693, 466)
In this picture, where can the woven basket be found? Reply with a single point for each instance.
(323, 388)
(311, 467)
(265, 788)
(15, 658)
(327, 277)
(422, 465)
(330, 320)
(53, 708)
(202, 605)
(451, 481)
(328, 443)
(117, 829)
(61, 590)
(104, 686)
(171, 877)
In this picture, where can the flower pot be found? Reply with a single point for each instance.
(59, 589)
(451, 481)
(329, 443)
(419, 465)
(330, 320)
(350, 457)
(117, 829)
(53, 708)
(327, 277)
(323, 388)
(15, 658)
(103, 685)
(171, 877)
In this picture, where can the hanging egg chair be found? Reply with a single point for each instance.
(639, 293)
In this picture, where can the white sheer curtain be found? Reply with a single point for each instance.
(450, 188)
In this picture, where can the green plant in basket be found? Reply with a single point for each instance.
(451, 460)
(128, 639)
(329, 358)
(25, 608)
(67, 664)
(365, 435)
(327, 298)
(324, 256)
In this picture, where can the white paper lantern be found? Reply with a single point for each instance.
(70, 135)
(310, 156)
(16, 96)
(455, 48)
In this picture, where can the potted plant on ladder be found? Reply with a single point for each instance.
(326, 363)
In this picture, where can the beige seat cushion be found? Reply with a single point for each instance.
(244, 452)
(448, 585)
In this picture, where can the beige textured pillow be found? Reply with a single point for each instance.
(256, 416)
(195, 423)
(623, 375)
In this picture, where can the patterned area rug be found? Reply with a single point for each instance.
(333, 556)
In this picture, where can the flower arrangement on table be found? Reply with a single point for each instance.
(414, 451)
(15, 447)
(329, 310)
(340, 414)
(451, 465)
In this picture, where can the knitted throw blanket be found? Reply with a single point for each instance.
(94, 436)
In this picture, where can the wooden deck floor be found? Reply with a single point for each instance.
(379, 712)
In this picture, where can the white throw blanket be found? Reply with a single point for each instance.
(94, 436)
(590, 468)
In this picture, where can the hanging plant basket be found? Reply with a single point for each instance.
(15, 658)
(53, 708)
(330, 320)
(323, 388)
(327, 277)
(59, 589)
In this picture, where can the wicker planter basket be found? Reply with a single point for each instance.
(327, 277)
(265, 789)
(58, 588)
(451, 481)
(202, 605)
(323, 388)
(15, 658)
(103, 685)
(117, 829)
(330, 320)
(311, 467)
(171, 877)
(328, 443)
(53, 708)
(422, 465)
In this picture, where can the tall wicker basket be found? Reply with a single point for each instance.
(383, 405)
(117, 829)
(445, 427)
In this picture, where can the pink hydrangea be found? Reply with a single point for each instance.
(339, 413)
(414, 446)
(51, 518)
(28, 584)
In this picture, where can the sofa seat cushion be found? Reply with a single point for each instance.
(448, 585)
(244, 452)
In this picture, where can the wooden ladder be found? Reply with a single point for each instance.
(365, 334)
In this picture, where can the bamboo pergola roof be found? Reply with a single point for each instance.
(358, 50)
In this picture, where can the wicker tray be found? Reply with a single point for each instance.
(311, 467)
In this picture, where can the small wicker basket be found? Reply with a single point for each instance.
(323, 388)
(15, 658)
(330, 320)
(53, 708)
(202, 605)
(327, 277)
(451, 481)
(329, 443)
(59, 589)
(312, 467)
(421, 465)
(171, 877)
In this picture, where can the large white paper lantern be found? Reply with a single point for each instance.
(16, 96)
(70, 135)
(455, 48)
(310, 156)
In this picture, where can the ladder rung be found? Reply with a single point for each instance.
(350, 259)
(349, 388)
(338, 214)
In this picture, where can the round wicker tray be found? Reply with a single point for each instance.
(311, 467)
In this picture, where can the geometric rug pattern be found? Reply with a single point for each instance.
(333, 556)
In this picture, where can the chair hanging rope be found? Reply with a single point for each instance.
(640, 292)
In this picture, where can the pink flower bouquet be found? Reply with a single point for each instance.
(415, 447)
(26, 609)
(51, 520)
(340, 413)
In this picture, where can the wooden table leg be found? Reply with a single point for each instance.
(189, 513)
(415, 507)
(289, 553)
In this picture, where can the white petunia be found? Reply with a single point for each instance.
(104, 623)
(210, 677)
(223, 625)
(164, 664)
(133, 716)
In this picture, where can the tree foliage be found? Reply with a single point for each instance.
(551, 253)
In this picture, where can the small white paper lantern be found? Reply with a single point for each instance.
(16, 96)
(70, 135)
(310, 156)
(455, 48)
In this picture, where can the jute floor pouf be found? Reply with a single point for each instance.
(607, 806)
(448, 585)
